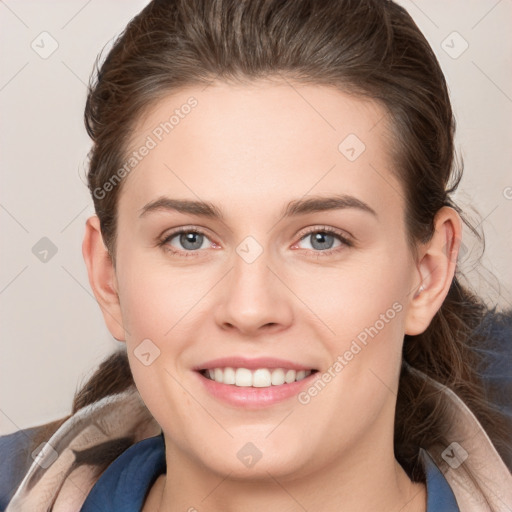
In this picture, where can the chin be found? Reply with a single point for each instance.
(255, 461)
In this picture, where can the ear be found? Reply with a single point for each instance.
(436, 269)
(102, 277)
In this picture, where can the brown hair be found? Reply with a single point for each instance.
(371, 48)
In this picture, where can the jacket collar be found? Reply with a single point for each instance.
(470, 463)
(69, 464)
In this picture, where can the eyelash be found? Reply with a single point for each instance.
(318, 229)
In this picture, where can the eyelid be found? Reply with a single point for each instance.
(162, 240)
(318, 228)
(346, 241)
(183, 229)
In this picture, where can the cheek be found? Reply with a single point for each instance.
(354, 294)
(155, 303)
(361, 308)
(154, 297)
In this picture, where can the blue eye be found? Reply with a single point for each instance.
(323, 239)
(320, 240)
(190, 240)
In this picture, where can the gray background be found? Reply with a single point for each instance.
(52, 331)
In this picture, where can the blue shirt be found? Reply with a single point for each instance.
(124, 484)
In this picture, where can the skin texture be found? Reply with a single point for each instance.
(250, 150)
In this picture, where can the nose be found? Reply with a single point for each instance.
(254, 299)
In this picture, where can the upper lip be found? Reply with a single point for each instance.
(251, 364)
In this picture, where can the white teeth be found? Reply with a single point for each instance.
(277, 377)
(243, 377)
(260, 378)
(301, 374)
(290, 376)
(229, 376)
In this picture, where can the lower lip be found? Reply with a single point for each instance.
(251, 397)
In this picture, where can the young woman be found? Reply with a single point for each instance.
(276, 244)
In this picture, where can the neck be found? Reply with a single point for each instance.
(357, 485)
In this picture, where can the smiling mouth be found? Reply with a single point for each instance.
(259, 378)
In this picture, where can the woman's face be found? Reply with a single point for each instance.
(301, 257)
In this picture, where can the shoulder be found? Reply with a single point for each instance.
(466, 456)
(88, 441)
(496, 354)
(495, 368)
(17, 453)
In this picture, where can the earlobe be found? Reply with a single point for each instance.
(436, 269)
(102, 277)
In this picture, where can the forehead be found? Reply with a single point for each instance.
(262, 141)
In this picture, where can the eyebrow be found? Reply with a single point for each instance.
(294, 208)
